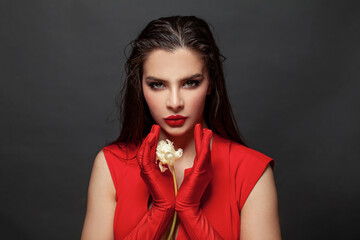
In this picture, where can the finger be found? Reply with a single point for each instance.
(140, 154)
(156, 131)
(197, 138)
(152, 127)
(146, 162)
(205, 143)
(150, 139)
(203, 159)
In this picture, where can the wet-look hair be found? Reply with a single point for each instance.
(171, 33)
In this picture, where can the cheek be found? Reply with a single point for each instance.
(152, 102)
(197, 102)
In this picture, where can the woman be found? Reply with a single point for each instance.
(175, 90)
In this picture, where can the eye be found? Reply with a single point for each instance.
(191, 83)
(156, 85)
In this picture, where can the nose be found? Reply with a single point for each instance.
(174, 100)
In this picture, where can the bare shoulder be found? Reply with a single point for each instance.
(101, 202)
(259, 215)
(265, 184)
(100, 177)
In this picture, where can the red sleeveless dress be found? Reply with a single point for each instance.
(235, 168)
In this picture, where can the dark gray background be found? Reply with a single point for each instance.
(293, 77)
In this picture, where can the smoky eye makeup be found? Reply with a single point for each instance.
(155, 85)
(191, 83)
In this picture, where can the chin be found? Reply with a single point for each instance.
(176, 131)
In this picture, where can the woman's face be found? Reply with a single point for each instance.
(175, 85)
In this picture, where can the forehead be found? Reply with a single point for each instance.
(173, 64)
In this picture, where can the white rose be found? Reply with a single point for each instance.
(166, 154)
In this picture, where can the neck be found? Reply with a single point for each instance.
(183, 141)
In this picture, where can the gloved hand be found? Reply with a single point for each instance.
(191, 190)
(160, 186)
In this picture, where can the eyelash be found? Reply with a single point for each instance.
(193, 83)
(160, 85)
(155, 85)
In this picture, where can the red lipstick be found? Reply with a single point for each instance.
(175, 120)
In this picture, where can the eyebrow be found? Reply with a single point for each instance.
(197, 75)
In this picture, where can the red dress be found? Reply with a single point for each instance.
(236, 169)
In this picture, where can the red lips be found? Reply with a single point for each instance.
(175, 120)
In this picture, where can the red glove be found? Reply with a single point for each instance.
(189, 195)
(161, 188)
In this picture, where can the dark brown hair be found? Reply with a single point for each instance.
(170, 33)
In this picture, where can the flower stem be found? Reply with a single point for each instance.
(175, 214)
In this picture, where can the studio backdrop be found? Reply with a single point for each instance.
(292, 72)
